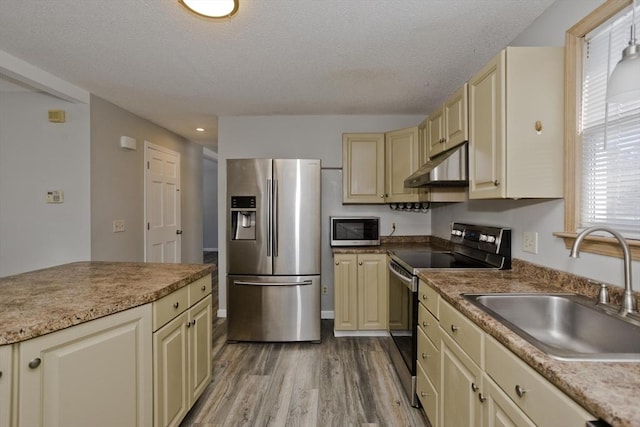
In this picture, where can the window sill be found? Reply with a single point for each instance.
(607, 246)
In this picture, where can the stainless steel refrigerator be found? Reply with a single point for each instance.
(273, 249)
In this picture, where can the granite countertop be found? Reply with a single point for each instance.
(608, 390)
(43, 301)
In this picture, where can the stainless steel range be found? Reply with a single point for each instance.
(474, 247)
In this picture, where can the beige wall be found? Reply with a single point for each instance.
(117, 184)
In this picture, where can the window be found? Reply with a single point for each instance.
(602, 147)
(610, 152)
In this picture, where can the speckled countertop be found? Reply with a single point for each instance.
(608, 390)
(43, 301)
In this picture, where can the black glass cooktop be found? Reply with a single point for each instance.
(420, 259)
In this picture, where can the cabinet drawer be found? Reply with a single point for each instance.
(429, 297)
(468, 336)
(428, 396)
(170, 306)
(539, 399)
(429, 325)
(429, 358)
(199, 289)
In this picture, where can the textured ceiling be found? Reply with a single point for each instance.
(153, 58)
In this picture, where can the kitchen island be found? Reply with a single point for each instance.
(608, 390)
(80, 340)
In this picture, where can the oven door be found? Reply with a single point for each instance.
(403, 321)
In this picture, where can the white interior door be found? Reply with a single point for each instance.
(162, 204)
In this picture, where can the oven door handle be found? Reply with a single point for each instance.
(405, 280)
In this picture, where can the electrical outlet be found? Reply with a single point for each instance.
(118, 225)
(325, 290)
(530, 242)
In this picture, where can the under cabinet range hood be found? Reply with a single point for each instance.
(447, 169)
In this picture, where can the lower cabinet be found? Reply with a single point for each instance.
(476, 381)
(6, 377)
(93, 374)
(360, 292)
(181, 351)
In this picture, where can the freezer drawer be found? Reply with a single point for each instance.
(273, 308)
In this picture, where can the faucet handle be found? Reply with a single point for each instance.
(603, 294)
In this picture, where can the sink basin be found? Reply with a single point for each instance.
(565, 326)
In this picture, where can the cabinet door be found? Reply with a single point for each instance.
(498, 409)
(372, 291)
(97, 373)
(345, 284)
(6, 376)
(170, 365)
(363, 168)
(461, 380)
(436, 132)
(199, 348)
(423, 142)
(456, 129)
(486, 131)
(401, 160)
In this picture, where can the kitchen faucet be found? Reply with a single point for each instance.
(629, 304)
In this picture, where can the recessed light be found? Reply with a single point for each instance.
(211, 8)
(200, 129)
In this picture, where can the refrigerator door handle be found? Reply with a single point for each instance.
(269, 218)
(275, 218)
(245, 283)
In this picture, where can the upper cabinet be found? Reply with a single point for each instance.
(516, 125)
(375, 166)
(448, 125)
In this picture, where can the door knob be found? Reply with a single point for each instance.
(178, 231)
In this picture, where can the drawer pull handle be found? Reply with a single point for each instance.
(176, 304)
(425, 355)
(193, 322)
(188, 324)
(203, 288)
(423, 394)
(424, 296)
(337, 263)
(481, 398)
(454, 328)
(424, 324)
(35, 363)
(496, 182)
(520, 391)
(474, 387)
(360, 263)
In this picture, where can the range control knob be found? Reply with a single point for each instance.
(483, 238)
(491, 239)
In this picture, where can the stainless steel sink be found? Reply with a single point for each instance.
(565, 326)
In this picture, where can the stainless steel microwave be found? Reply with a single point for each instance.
(355, 230)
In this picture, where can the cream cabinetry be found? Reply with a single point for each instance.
(181, 350)
(360, 292)
(6, 382)
(516, 125)
(97, 373)
(402, 158)
(448, 125)
(477, 381)
(363, 168)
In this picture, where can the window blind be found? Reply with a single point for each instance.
(610, 163)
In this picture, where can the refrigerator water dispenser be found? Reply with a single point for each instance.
(243, 218)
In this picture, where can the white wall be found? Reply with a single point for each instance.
(117, 184)
(37, 156)
(210, 202)
(308, 137)
(541, 216)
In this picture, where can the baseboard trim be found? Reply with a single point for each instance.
(360, 333)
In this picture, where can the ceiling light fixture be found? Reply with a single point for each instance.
(216, 9)
(624, 83)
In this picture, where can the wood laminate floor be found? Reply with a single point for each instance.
(346, 381)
